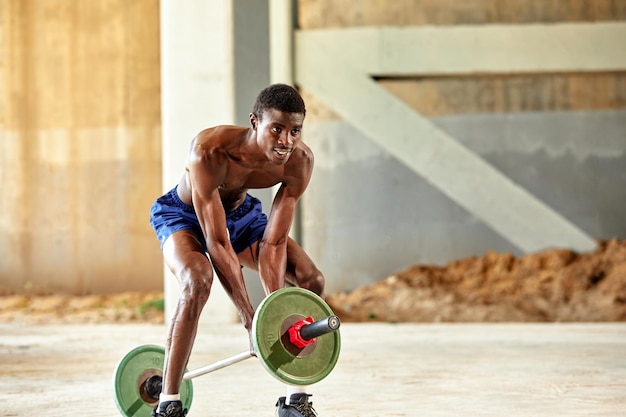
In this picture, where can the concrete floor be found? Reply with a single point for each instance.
(384, 370)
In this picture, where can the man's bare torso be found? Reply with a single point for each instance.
(237, 166)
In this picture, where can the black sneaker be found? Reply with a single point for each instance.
(299, 406)
(172, 409)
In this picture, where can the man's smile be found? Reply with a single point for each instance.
(283, 152)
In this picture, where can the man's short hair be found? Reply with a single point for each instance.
(281, 97)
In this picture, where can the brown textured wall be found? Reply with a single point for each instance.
(80, 146)
(511, 93)
(319, 14)
(434, 96)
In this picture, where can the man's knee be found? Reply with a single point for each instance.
(196, 284)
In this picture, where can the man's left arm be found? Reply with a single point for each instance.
(273, 249)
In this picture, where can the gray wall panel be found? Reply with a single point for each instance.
(574, 161)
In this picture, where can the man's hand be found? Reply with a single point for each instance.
(252, 351)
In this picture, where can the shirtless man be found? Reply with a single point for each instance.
(210, 213)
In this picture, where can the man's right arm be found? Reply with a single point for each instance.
(205, 174)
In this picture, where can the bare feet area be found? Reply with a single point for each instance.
(555, 285)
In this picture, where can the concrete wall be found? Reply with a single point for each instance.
(368, 216)
(80, 145)
(560, 136)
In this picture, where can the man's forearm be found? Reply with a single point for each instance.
(228, 269)
(272, 266)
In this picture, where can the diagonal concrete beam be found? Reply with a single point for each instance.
(335, 73)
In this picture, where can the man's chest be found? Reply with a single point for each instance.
(237, 178)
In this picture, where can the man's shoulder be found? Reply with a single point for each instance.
(218, 131)
(303, 152)
(218, 137)
(301, 161)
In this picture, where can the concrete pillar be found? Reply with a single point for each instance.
(214, 61)
(196, 92)
(281, 18)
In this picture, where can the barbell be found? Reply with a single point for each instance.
(287, 332)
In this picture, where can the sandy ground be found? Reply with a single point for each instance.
(400, 370)
(58, 353)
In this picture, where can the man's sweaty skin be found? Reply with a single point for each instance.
(224, 163)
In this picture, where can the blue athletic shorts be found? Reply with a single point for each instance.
(245, 224)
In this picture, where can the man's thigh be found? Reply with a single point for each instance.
(182, 250)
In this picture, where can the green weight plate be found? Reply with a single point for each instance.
(132, 371)
(272, 319)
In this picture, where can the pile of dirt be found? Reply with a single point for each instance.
(550, 286)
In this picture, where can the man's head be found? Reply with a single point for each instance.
(280, 97)
(277, 119)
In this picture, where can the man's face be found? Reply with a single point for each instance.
(278, 133)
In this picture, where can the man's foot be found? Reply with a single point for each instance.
(299, 406)
(170, 409)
